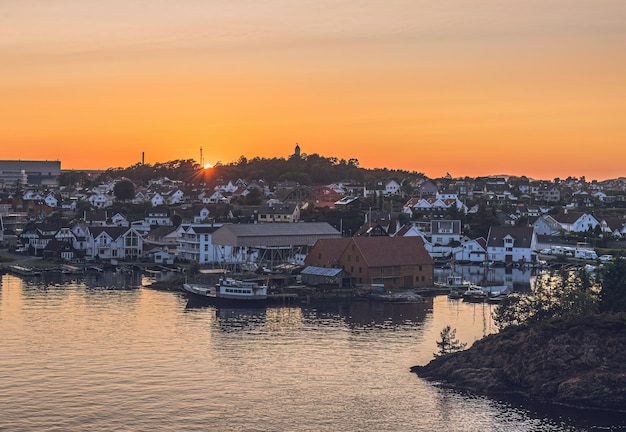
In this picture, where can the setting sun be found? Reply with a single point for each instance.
(208, 166)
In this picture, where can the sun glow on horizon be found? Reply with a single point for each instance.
(468, 88)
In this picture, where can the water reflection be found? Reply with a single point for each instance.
(355, 314)
(519, 279)
(104, 280)
(150, 360)
(371, 313)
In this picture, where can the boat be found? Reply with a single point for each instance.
(229, 291)
(456, 282)
(67, 269)
(475, 294)
(457, 286)
(497, 298)
(490, 293)
(23, 271)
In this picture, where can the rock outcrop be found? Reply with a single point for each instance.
(578, 363)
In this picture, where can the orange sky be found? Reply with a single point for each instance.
(532, 87)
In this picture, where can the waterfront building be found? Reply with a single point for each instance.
(393, 262)
(270, 243)
(195, 243)
(506, 244)
(21, 172)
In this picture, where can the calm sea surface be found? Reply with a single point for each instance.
(76, 356)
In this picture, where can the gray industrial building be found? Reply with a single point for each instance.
(21, 172)
(275, 242)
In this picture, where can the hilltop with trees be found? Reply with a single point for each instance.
(305, 169)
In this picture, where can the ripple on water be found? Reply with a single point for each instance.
(78, 358)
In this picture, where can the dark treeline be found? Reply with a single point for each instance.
(305, 169)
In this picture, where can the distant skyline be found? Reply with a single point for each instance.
(532, 87)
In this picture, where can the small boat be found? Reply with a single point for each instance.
(457, 286)
(455, 294)
(229, 291)
(67, 269)
(23, 271)
(456, 282)
(95, 269)
(496, 298)
(475, 295)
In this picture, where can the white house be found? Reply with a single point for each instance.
(547, 225)
(140, 197)
(215, 198)
(229, 188)
(32, 195)
(114, 243)
(411, 230)
(175, 197)
(159, 216)
(576, 221)
(99, 200)
(615, 227)
(444, 232)
(119, 219)
(392, 187)
(433, 204)
(202, 217)
(51, 200)
(509, 244)
(472, 251)
(195, 243)
(157, 200)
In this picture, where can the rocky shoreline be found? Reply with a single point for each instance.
(578, 363)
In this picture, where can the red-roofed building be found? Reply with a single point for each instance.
(326, 252)
(395, 262)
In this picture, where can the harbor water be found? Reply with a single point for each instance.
(100, 355)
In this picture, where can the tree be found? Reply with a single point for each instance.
(177, 219)
(124, 190)
(254, 196)
(448, 343)
(613, 282)
(562, 295)
(193, 268)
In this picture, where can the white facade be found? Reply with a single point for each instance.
(471, 251)
(510, 251)
(107, 244)
(585, 223)
(195, 243)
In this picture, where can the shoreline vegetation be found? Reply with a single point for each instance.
(564, 343)
(575, 363)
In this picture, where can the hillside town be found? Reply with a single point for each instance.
(387, 231)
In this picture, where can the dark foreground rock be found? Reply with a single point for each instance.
(580, 364)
